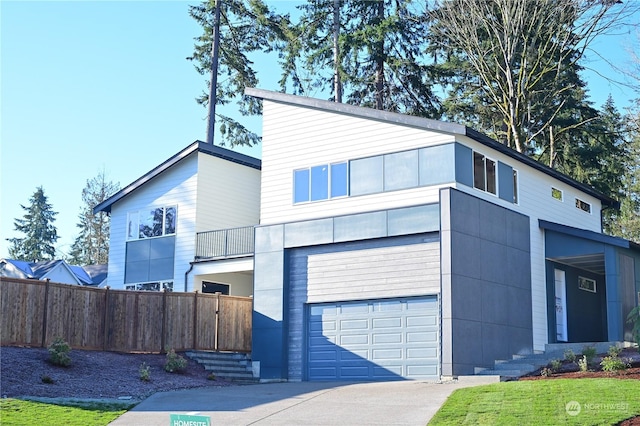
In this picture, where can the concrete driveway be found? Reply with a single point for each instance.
(302, 403)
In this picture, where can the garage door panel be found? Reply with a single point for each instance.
(357, 339)
(386, 354)
(387, 323)
(384, 338)
(377, 340)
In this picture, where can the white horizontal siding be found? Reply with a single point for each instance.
(296, 137)
(174, 187)
(410, 270)
(228, 194)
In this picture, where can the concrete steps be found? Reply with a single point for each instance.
(227, 365)
(521, 365)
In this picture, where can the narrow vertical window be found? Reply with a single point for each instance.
(490, 166)
(319, 183)
(515, 187)
(478, 171)
(339, 180)
(301, 186)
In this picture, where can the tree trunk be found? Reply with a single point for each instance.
(337, 84)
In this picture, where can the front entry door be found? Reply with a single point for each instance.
(561, 306)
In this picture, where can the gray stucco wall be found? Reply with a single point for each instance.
(486, 283)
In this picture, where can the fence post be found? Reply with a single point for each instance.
(44, 315)
(105, 331)
(195, 320)
(163, 337)
(216, 343)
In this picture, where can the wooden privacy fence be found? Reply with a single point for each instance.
(34, 313)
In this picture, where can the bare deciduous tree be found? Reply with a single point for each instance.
(523, 53)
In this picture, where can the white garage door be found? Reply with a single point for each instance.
(386, 339)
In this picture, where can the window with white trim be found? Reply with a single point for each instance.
(583, 205)
(320, 182)
(153, 222)
(556, 193)
(484, 173)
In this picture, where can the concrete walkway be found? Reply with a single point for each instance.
(302, 403)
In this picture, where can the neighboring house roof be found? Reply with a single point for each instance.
(97, 273)
(197, 146)
(81, 274)
(427, 124)
(18, 267)
(87, 275)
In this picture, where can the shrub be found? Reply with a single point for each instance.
(614, 351)
(583, 364)
(175, 363)
(569, 355)
(211, 376)
(613, 364)
(145, 373)
(589, 352)
(555, 365)
(48, 380)
(546, 372)
(59, 352)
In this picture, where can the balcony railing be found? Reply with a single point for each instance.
(225, 243)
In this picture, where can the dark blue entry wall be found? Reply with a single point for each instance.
(586, 310)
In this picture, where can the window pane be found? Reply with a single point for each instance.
(478, 171)
(437, 164)
(301, 186)
(339, 180)
(365, 176)
(170, 221)
(151, 223)
(132, 226)
(491, 175)
(319, 183)
(401, 170)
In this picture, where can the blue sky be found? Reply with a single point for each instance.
(104, 85)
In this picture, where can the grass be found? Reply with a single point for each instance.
(31, 413)
(542, 402)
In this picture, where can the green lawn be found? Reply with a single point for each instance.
(543, 402)
(30, 413)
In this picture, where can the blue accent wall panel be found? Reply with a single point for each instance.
(464, 165)
(486, 283)
(505, 182)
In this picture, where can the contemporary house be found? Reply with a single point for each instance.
(187, 225)
(392, 246)
(378, 246)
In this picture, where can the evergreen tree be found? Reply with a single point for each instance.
(372, 51)
(625, 223)
(246, 28)
(91, 246)
(40, 234)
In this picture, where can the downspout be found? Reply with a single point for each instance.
(186, 275)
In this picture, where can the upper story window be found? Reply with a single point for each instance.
(583, 205)
(320, 182)
(556, 193)
(149, 223)
(484, 173)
